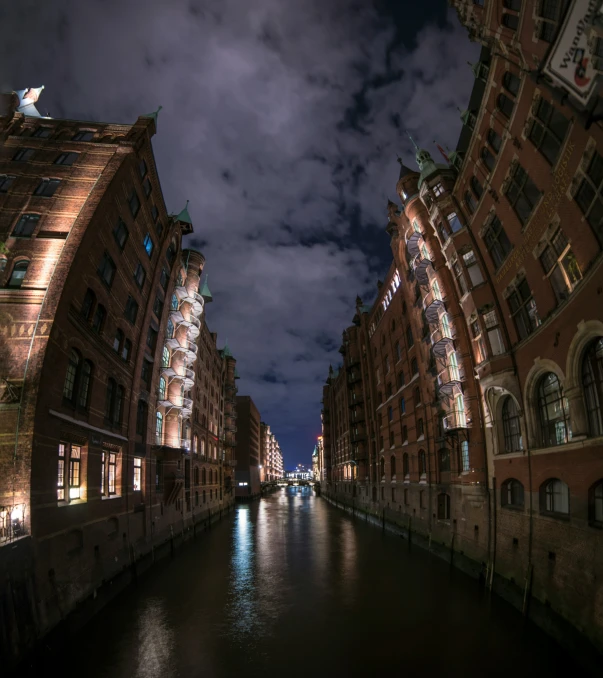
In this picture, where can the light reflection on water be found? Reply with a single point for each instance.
(291, 576)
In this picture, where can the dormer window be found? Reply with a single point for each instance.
(438, 189)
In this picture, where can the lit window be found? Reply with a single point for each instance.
(473, 268)
(438, 189)
(159, 428)
(148, 244)
(61, 472)
(74, 472)
(494, 333)
(137, 478)
(453, 221)
(560, 265)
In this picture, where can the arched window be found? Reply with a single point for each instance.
(159, 428)
(405, 466)
(174, 303)
(165, 357)
(382, 467)
(203, 477)
(494, 140)
(420, 428)
(595, 504)
(88, 304)
(511, 83)
(553, 412)
(422, 463)
(488, 158)
(444, 460)
(374, 494)
(592, 382)
(392, 466)
(511, 426)
(443, 506)
(505, 105)
(162, 388)
(18, 274)
(554, 497)
(511, 493)
(85, 378)
(169, 332)
(476, 187)
(71, 375)
(196, 475)
(196, 445)
(417, 396)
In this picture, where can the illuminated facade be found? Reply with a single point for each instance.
(271, 458)
(469, 405)
(112, 391)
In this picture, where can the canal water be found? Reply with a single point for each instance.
(292, 586)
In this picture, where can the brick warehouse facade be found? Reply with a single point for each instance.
(271, 457)
(117, 409)
(469, 406)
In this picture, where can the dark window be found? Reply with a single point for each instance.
(496, 241)
(66, 159)
(140, 275)
(164, 279)
(420, 429)
(523, 309)
(390, 413)
(554, 498)
(444, 460)
(515, 5)
(510, 21)
(409, 338)
(553, 411)
(131, 310)
(118, 340)
(511, 493)
(82, 135)
(494, 140)
(127, 349)
(488, 158)
(24, 154)
(151, 338)
(414, 367)
(158, 306)
(476, 187)
(549, 13)
(392, 439)
(154, 212)
(146, 186)
(422, 463)
(42, 133)
(120, 233)
(170, 254)
(402, 406)
(142, 412)
(99, 318)
(505, 105)
(159, 228)
(595, 504)
(404, 434)
(592, 383)
(134, 203)
(18, 274)
(47, 187)
(6, 182)
(146, 373)
(106, 269)
(548, 130)
(142, 168)
(26, 225)
(71, 376)
(417, 396)
(110, 399)
(589, 196)
(148, 244)
(88, 304)
(511, 426)
(85, 381)
(470, 202)
(400, 379)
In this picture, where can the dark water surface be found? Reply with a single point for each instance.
(292, 586)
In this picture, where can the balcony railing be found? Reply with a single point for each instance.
(420, 265)
(441, 338)
(433, 304)
(413, 239)
(454, 420)
(450, 378)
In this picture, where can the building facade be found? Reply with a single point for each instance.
(271, 458)
(469, 406)
(248, 450)
(106, 363)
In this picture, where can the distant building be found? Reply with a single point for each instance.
(299, 473)
(271, 458)
(247, 471)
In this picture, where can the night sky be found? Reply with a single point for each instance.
(281, 123)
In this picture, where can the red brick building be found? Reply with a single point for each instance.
(479, 367)
(113, 395)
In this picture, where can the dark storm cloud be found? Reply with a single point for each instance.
(281, 123)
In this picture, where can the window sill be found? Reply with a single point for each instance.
(105, 497)
(512, 507)
(71, 502)
(556, 516)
